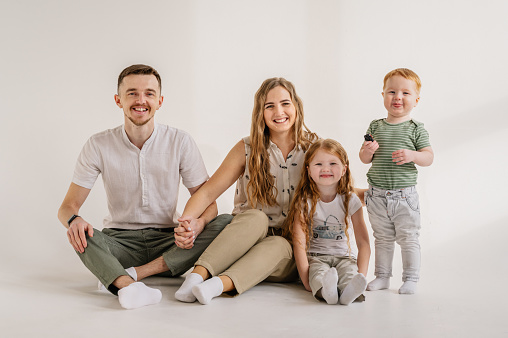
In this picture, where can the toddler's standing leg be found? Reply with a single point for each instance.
(384, 235)
(407, 225)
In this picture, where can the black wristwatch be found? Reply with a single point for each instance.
(73, 217)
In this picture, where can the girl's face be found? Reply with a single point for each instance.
(279, 111)
(326, 169)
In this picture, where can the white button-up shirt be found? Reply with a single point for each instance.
(141, 184)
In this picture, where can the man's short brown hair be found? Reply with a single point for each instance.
(138, 70)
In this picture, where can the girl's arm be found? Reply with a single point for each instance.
(362, 241)
(360, 192)
(300, 252)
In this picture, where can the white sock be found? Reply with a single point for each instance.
(353, 290)
(137, 295)
(184, 293)
(329, 289)
(408, 288)
(131, 271)
(207, 290)
(380, 283)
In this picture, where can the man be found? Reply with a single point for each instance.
(141, 163)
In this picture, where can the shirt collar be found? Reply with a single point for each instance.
(147, 142)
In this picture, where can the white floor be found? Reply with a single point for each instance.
(460, 294)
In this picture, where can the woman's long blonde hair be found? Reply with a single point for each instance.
(307, 190)
(261, 186)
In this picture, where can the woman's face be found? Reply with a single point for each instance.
(279, 111)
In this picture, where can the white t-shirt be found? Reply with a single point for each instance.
(141, 185)
(329, 236)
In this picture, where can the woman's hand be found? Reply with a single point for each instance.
(187, 231)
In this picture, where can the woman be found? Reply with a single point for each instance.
(267, 167)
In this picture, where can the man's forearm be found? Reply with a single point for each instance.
(65, 212)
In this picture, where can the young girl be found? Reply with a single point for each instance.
(326, 211)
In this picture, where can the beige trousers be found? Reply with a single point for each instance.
(245, 253)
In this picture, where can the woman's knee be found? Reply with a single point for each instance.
(254, 220)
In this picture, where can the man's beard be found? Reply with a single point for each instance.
(139, 124)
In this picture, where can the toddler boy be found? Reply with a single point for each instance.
(399, 142)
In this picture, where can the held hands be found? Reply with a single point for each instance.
(77, 234)
(187, 231)
(403, 156)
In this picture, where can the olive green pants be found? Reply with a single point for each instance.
(111, 251)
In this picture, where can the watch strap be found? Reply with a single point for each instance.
(73, 217)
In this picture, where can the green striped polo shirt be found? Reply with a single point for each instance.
(384, 173)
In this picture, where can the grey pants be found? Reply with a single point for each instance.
(395, 217)
(110, 251)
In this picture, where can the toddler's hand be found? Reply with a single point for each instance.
(403, 156)
(370, 146)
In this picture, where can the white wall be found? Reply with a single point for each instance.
(60, 61)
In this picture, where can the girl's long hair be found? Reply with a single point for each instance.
(261, 186)
(307, 190)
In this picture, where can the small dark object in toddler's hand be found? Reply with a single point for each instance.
(368, 137)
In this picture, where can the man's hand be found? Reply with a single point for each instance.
(187, 231)
(77, 234)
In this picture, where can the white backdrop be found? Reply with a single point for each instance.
(60, 61)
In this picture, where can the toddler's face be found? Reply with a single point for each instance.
(400, 97)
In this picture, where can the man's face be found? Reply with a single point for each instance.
(139, 96)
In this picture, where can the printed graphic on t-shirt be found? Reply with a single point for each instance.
(330, 229)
